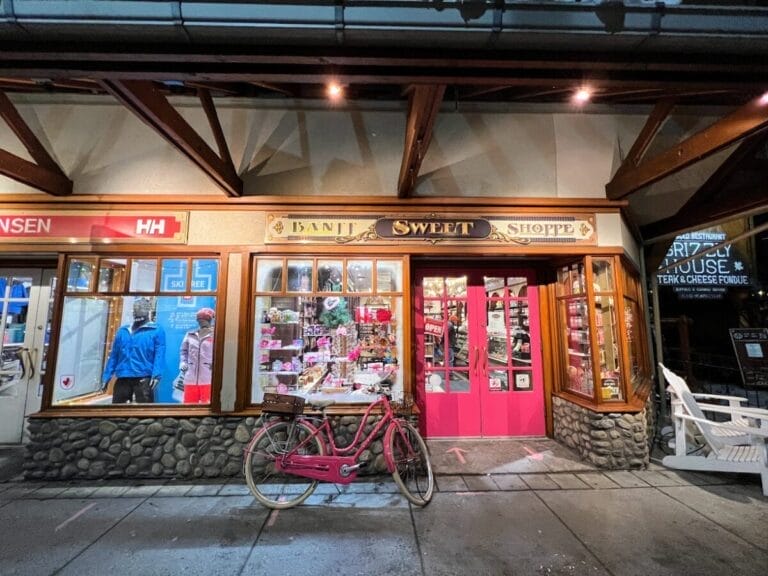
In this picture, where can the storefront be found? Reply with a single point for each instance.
(150, 354)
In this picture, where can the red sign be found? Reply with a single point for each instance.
(434, 327)
(82, 226)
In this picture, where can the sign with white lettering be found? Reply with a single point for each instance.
(434, 327)
(522, 230)
(82, 226)
(708, 276)
(751, 347)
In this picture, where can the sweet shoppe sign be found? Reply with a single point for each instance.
(523, 230)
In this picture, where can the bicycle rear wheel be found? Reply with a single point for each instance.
(413, 470)
(275, 489)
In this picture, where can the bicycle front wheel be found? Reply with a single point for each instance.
(273, 488)
(413, 471)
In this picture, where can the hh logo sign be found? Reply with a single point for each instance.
(92, 227)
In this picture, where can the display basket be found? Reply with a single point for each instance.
(404, 407)
(282, 404)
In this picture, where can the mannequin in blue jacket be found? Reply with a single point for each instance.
(137, 358)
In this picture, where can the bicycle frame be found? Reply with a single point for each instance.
(341, 466)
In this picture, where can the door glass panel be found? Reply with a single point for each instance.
(433, 333)
(459, 381)
(456, 287)
(457, 336)
(433, 286)
(48, 323)
(434, 381)
(498, 381)
(446, 346)
(518, 286)
(520, 333)
(494, 287)
(523, 381)
(16, 309)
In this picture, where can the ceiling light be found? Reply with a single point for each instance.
(763, 99)
(582, 95)
(335, 91)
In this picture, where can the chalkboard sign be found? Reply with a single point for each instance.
(751, 347)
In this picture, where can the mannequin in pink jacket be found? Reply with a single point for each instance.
(196, 359)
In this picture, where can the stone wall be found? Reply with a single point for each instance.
(210, 447)
(611, 441)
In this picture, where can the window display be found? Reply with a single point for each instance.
(345, 346)
(591, 316)
(588, 316)
(137, 347)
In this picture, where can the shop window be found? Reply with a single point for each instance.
(340, 337)
(634, 326)
(140, 332)
(602, 363)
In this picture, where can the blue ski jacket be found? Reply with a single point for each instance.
(137, 353)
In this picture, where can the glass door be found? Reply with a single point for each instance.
(478, 362)
(510, 381)
(26, 297)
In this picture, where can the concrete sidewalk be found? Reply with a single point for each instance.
(517, 507)
(654, 522)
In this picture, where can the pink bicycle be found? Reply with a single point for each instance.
(290, 452)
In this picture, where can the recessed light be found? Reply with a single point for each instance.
(582, 95)
(335, 91)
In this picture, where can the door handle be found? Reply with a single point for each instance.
(22, 360)
(32, 359)
(485, 362)
(477, 359)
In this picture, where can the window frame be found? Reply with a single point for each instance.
(245, 395)
(626, 285)
(64, 292)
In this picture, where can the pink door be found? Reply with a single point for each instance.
(478, 358)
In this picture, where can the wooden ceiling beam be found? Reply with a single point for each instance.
(29, 173)
(145, 101)
(273, 88)
(221, 87)
(213, 120)
(43, 174)
(718, 198)
(653, 124)
(739, 202)
(749, 119)
(423, 106)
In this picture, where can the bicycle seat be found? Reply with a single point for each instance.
(320, 404)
